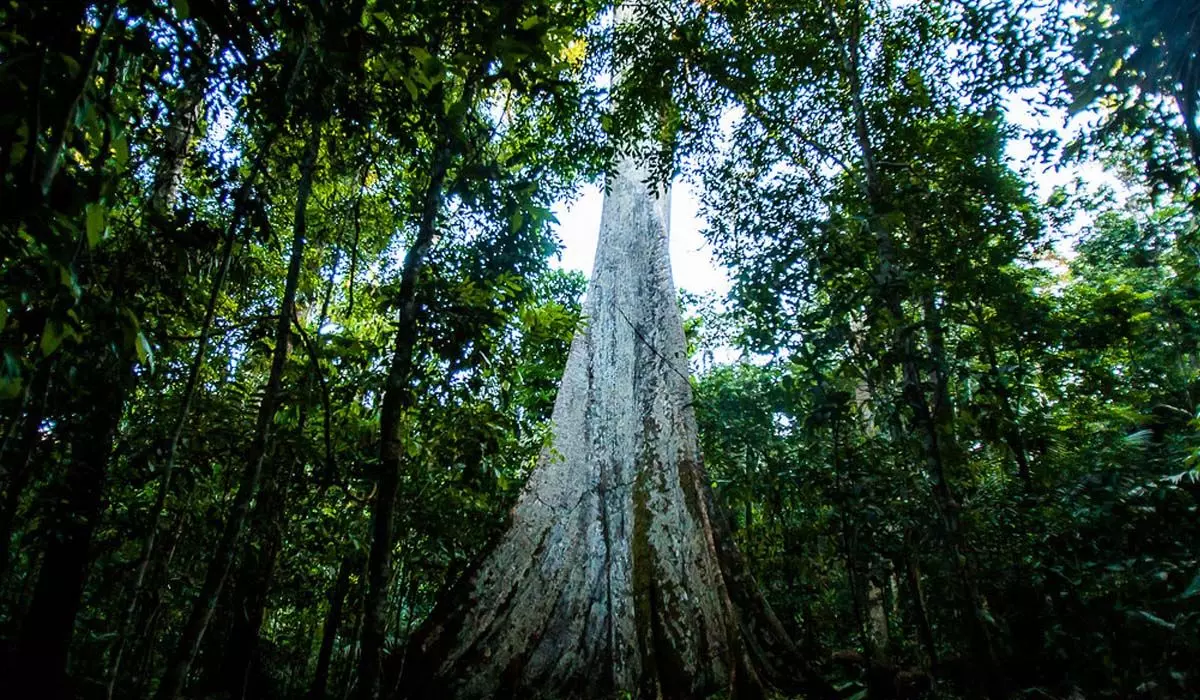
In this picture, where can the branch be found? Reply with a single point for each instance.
(330, 464)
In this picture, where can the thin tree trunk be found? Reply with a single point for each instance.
(848, 545)
(58, 137)
(18, 608)
(150, 614)
(270, 507)
(1185, 100)
(168, 469)
(184, 118)
(916, 594)
(214, 581)
(333, 621)
(20, 469)
(913, 391)
(236, 219)
(1013, 436)
(181, 419)
(877, 619)
(352, 665)
(409, 596)
(941, 429)
(397, 399)
(249, 599)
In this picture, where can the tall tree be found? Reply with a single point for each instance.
(462, 74)
(617, 573)
(222, 558)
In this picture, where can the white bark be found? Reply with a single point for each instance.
(616, 575)
(877, 618)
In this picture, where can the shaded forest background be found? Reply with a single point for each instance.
(276, 302)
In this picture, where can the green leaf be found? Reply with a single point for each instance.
(96, 216)
(52, 337)
(17, 154)
(1193, 589)
(1151, 618)
(10, 387)
(72, 64)
(67, 277)
(531, 22)
(181, 9)
(121, 150)
(144, 352)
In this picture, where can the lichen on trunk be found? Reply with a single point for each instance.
(617, 576)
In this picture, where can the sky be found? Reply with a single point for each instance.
(693, 266)
(692, 263)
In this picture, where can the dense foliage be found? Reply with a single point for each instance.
(280, 331)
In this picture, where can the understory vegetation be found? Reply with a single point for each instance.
(281, 326)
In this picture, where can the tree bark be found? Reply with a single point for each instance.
(617, 574)
(20, 464)
(333, 620)
(877, 618)
(165, 192)
(47, 629)
(185, 115)
(253, 583)
(916, 594)
(218, 569)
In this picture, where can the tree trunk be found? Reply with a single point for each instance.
(617, 574)
(1011, 430)
(333, 620)
(348, 676)
(19, 463)
(927, 418)
(849, 543)
(912, 575)
(182, 127)
(939, 441)
(877, 618)
(218, 568)
(146, 625)
(125, 628)
(163, 196)
(257, 568)
(48, 627)
(253, 583)
(61, 130)
(396, 399)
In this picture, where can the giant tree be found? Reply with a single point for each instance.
(617, 573)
